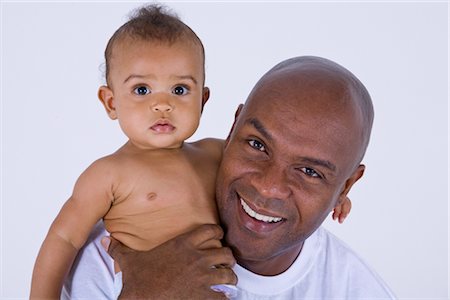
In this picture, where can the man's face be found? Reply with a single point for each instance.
(286, 163)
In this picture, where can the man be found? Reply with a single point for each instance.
(293, 154)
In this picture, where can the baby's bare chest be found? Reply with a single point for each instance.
(165, 182)
(156, 199)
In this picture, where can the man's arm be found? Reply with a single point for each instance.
(182, 268)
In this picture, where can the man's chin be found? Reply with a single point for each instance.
(245, 249)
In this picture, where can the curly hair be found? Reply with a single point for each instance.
(151, 23)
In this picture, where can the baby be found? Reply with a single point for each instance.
(156, 186)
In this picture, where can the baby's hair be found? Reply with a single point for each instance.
(151, 23)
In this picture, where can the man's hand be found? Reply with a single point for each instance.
(182, 268)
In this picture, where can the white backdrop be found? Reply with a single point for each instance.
(53, 126)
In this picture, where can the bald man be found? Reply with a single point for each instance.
(292, 156)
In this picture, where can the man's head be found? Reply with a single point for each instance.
(155, 74)
(292, 156)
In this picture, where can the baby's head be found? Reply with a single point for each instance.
(155, 78)
(151, 23)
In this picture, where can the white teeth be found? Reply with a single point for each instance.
(257, 216)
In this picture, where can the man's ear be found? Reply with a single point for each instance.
(205, 96)
(106, 96)
(356, 175)
(236, 115)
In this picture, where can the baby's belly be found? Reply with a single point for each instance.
(147, 228)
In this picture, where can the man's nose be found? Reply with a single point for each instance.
(271, 182)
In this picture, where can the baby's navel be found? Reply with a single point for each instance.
(151, 196)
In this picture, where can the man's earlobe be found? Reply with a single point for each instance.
(106, 97)
(343, 205)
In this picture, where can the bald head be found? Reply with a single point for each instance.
(294, 152)
(324, 86)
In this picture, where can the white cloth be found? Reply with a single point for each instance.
(92, 274)
(325, 269)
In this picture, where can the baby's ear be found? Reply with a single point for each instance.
(205, 96)
(106, 96)
(342, 209)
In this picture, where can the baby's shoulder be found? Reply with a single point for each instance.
(106, 161)
(106, 164)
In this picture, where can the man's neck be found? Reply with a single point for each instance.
(272, 266)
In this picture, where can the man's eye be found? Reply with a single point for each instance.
(180, 90)
(142, 90)
(257, 145)
(310, 172)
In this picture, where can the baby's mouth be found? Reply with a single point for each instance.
(162, 126)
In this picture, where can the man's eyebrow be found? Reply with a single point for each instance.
(319, 162)
(260, 127)
(313, 161)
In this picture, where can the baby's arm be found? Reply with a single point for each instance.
(91, 199)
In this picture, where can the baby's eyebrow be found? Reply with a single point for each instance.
(132, 76)
(178, 77)
(187, 77)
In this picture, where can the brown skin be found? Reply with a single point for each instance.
(157, 95)
(293, 153)
(275, 161)
(196, 252)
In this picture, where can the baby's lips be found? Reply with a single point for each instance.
(163, 127)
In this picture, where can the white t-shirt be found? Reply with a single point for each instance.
(325, 269)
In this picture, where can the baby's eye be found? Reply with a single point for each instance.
(180, 90)
(141, 90)
(257, 145)
(310, 172)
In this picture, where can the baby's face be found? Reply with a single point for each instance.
(157, 91)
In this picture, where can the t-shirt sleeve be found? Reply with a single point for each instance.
(92, 274)
(354, 276)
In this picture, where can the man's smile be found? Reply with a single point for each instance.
(256, 220)
(257, 216)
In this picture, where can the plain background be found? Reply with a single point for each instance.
(53, 126)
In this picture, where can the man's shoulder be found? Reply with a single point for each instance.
(349, 267)
(339, 253)
(326, 268)
(211, 147)
(209, 143)
(333, 243)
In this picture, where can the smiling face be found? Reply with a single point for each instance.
(293, 154)
(156, 91)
